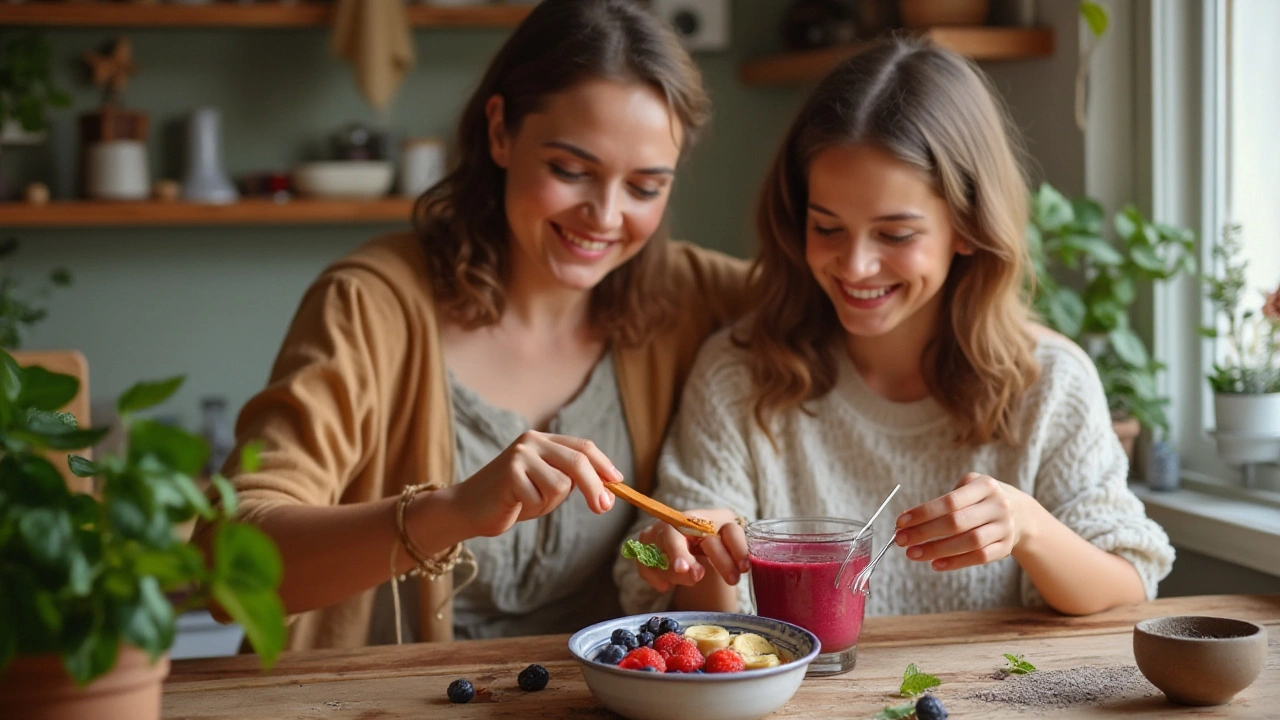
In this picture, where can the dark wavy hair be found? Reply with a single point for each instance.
(462, 220)
(933, 110)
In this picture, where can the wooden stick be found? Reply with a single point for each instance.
(686, 524)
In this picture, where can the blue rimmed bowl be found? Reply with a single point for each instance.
(676, 696)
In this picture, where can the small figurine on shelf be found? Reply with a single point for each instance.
(113, 162)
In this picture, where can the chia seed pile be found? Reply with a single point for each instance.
(1058, 689)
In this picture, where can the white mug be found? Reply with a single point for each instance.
(117, 170)
(421, 166)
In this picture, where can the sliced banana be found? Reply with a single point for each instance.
(756, 662)
(708, 638)
(748, 644)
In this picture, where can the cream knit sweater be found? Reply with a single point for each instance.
(844, 458)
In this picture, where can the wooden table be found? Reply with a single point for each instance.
(962, 649)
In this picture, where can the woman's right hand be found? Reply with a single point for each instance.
(725, 552)
(531, 478)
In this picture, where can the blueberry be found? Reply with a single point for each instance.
(460, 691)
(648, 668)
(533, 678)
(645, 638)
(624, 637)
(929, 707)
(653, 626)
(611, 655)
(668, 625)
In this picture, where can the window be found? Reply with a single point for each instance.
(1215, 159)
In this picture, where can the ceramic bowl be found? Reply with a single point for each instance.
(675, 696)
(1198, 660)
(343, 178)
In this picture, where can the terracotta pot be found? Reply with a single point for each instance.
(919, 14)
(39, 688)
(1127, 429)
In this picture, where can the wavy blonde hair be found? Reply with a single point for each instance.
(933, 110)
(462, 220)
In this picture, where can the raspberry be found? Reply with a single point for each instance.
(643, 657)
(667, 643)
(686, 658)
(724, 660)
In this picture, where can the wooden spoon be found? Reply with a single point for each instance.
(687, 524)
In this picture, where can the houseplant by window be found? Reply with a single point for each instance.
(1071, 236)
(85, 616)
(1246, 382)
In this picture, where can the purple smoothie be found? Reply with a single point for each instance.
(795, 583)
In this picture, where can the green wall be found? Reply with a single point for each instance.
(213, 302)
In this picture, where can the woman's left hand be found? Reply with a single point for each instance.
(983, 520)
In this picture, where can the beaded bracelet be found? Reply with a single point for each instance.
(424, 566)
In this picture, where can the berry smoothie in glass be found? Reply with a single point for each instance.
(794, 562)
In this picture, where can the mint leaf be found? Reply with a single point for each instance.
(915, 682)
(896, 712)
(647, 555)
(1017, 666)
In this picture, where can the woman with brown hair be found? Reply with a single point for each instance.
(438, 388)
(893, 344)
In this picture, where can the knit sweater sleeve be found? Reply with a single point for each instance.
(1083, 476)
(706, 459)
(321, 413)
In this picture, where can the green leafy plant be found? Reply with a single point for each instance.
(915, 682)
(897, 712)
(1110, 260)
(27, 90)
(1016, 665)
(647, 555)
(83, 574)
(19, 309)
(1253, 338)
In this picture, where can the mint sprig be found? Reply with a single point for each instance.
(1017, 666)
(915, 682)
(647, 555)
(896, 713)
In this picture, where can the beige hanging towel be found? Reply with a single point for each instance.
(374, 36)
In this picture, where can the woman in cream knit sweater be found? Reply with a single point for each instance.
(893, 345)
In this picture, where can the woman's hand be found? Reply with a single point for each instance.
(725, 552)
(981, 521)
(531, 478)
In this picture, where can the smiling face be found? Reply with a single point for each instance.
(587, 179)
(878, 239)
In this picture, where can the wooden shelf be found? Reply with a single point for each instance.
(98, 213)
(265, 15)
(977, 43)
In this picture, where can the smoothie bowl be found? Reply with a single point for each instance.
(720, 687)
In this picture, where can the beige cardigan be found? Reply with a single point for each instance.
(358, 403)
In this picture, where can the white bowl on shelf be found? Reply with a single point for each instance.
(355, 179)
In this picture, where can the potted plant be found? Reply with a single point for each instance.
(1246, 383)
(85, 618)
(20, 310)
(27, 90)
(1069, 234)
